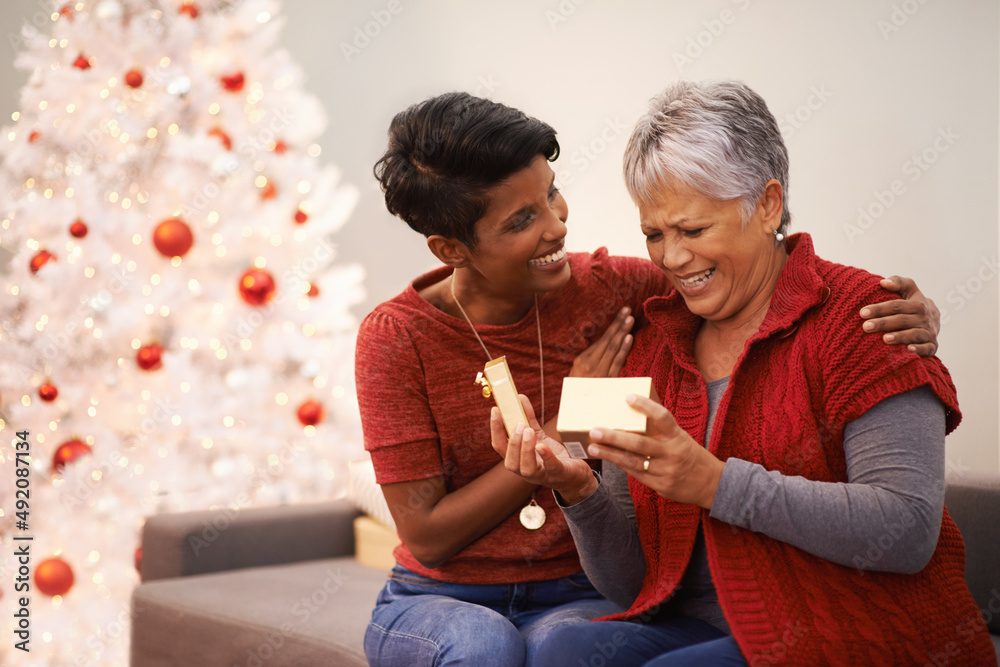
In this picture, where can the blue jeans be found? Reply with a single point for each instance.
(421, 621)
(675, 642)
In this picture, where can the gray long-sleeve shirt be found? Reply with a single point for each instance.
(885, 517)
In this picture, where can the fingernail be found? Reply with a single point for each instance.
(869, 326)
(593, 450)
(865, 312)
(596, 434)
(519, 429)
(630, 398)
(625, 310)
(629, 320)
(889, 338)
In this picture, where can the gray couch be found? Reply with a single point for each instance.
(280, 587)
(269, 586)
(973, 500)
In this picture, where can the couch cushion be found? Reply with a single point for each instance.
(309, 613)
(973, 500)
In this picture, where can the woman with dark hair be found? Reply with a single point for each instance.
(487, 567)
(786, 445)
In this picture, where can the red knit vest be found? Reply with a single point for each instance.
(801, 378)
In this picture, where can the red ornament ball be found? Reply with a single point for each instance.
(33, 137)
(268, 191)
(301, 216)
(48, 392)
(310, 413)
(313, 290)
(222, 136)
(188, 8)
(257, 287)
(78, 229)
(40, 259)
(233, 82)
(173, 238)
(53, 577)
(133, 78)
(149, 357)
(279, 146)
(68, 452)
(81, 62)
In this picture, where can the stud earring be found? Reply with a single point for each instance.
(778, 236)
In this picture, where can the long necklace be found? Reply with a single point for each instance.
(532, 515)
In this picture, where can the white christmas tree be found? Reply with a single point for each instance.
(174, 336)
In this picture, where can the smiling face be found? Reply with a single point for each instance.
(520, 248)
(725, 270)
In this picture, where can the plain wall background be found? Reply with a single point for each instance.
(864, 90)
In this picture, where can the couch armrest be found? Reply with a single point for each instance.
(177, 545)
(973, 500)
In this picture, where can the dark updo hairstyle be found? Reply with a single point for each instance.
(447, 152)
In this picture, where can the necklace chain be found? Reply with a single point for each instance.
(538, 326)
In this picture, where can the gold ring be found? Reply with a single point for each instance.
(645, 464)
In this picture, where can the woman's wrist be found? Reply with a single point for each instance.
(711, 487)
(576, 493)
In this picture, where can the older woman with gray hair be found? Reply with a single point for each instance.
(789, 491)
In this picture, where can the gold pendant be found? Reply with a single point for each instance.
(532, 516)
(481, 379)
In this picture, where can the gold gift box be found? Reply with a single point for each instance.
(501, 386)
(374, 543)
(588, 403)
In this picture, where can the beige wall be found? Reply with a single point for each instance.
(890, 107)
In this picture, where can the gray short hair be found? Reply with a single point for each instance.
(716, 137)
